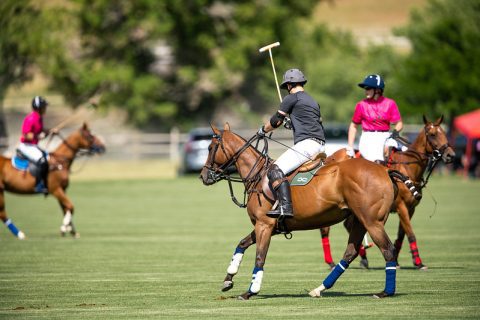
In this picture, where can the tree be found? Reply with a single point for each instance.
(442, 73)
(169, 62)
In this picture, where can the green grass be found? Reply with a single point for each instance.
(153, 249)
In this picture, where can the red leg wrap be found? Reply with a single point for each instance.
(327, 254)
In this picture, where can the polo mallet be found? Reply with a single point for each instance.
(89, 106)
(269, 48)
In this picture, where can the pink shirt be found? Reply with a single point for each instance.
(376, 115)
(32, 123)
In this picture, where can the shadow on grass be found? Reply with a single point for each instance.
(306, 296)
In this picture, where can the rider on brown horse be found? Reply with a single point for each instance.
(32, 129)
(309, 138)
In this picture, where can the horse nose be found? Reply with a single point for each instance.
(449, 156)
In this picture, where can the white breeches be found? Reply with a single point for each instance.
(300, 153)
(372, 145)
(32, 151)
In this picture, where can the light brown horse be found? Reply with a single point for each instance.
(430, 146)
(353, 187)
(60, 161)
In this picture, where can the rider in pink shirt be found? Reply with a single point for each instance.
(32, 128)
(375, 114)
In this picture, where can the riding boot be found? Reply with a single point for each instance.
(41, 183)
(281, 186)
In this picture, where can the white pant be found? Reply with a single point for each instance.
(372, 145)
(300, 153)
(31, 151)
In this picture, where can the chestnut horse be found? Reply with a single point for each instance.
(60, 161)
(430, 146)
(355, 187)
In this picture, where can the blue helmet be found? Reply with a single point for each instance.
(39, 102)
(373, 81)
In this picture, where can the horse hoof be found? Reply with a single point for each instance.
(382, 295)
(227, 285)
(421, 267)
(317, 292)
(76, 235)
(246, 296)
(21, 235)
(364, 263)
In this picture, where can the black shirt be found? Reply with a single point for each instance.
(305, 114)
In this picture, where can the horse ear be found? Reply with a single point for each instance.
(425, 121)
(85, 126)
(439, 121)
(226, 126)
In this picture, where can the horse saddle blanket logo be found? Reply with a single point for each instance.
(303, 178)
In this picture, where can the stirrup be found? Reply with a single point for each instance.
(279, 214)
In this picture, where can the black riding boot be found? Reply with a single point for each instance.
(282, 190)
(42, 176)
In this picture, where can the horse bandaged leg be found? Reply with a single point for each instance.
(236, 261)
(390, 280)
(17, 233)
(67, 222)
(417, 261)
(330, 279)
(256, 284)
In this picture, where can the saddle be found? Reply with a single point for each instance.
(23, 163)
(299, 177)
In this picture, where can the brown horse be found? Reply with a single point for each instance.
(60, 161)
(418, 160)
(353, 187)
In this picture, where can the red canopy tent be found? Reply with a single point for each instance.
(469, 125)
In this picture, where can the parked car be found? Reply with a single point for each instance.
(195, 150)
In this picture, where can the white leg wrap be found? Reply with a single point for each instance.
(317, 292)
(235, 263)
(67, 218)
(256, 284)
(21, 235)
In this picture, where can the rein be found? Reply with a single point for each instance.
(253, 177)
(432, 158)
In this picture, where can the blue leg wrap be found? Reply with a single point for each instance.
(391, 273)
(335, 274)
(239, 250)
(12, 227)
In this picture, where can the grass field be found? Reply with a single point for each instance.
(159, 249)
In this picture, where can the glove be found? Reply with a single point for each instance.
(395, 134)
(350, 152)
(261, 132)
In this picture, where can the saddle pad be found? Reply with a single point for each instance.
(20, 163)
(302, 178)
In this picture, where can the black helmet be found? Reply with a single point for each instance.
(293, 76)
(38, 102)
(372, 81)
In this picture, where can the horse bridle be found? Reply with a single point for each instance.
(218, 173)
(92, 149)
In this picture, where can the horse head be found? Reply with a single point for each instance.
(219, 156)
(437, 141)
(86, 140)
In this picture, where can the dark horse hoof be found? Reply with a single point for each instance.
(381, 295)
(421, 266)
(227, 285)
(246, 295)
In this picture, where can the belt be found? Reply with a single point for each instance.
(317, 140)
(375, 130)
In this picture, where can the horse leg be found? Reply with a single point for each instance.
(263, 233)
(67, 209)
(406, 224)
(237, 260)
(327, 253)
(348, 224)
(399, 242)
(356, 233)
(8, 222)
(381, 239)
